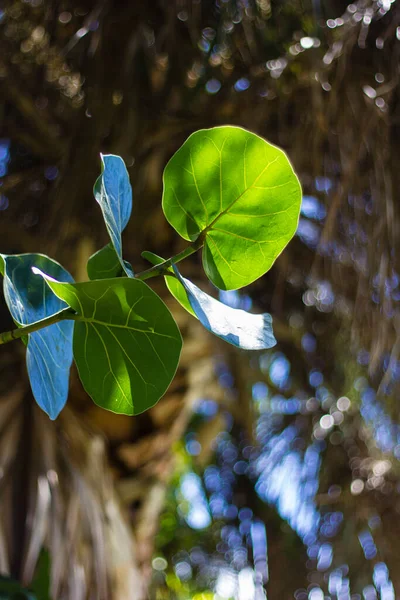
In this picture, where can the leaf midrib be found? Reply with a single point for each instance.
(118, 326)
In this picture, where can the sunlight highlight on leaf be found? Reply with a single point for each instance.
(241, 194)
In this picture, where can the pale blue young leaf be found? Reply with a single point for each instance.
(49, 351)
(236, 326)
(113, 193)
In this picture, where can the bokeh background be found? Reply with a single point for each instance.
(259, 475)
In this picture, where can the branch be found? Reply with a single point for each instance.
(163, 267)
(15, 334)
(69, 314)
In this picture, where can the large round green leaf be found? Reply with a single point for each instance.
(126, 342)
(240, 193)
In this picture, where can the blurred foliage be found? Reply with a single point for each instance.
(12, 590)
(287, 479)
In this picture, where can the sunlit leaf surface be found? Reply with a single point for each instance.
(236, 326)
(241, 194)
(126, 346)
(49, 351)
(113, 192)
(174, 286)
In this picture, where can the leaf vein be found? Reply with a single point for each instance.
(110, 367)
(197, 189)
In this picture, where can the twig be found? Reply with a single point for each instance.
(15, 334)
(69, 314)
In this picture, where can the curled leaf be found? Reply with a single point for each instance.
(113, 193)
(236, 326)
(174, 286)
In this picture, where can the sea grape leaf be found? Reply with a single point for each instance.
(126, 343)
(113, 193)
(240, 194)
(49, 351)
(105, 264)
(236, 326)
(174, 286)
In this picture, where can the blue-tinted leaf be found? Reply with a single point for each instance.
(49, 351)
(236, 326)
(105, 264)
(24, 339)
(113, 192)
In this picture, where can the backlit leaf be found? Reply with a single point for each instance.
(113, 192)
(174, 286)
(236, 326)
(49, 351)
(126, 345)
(240, 194)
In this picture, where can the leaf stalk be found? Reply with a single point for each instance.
(15, 334)
(69, 314)
(163, 267)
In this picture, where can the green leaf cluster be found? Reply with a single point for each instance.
(227, 192)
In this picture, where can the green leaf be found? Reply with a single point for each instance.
(113, 192)
(49, 351)
(126, 343)
(10, 589)
(41, 581)
(235, 326)
(240, 194)
(105, 264)
(174, 286)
